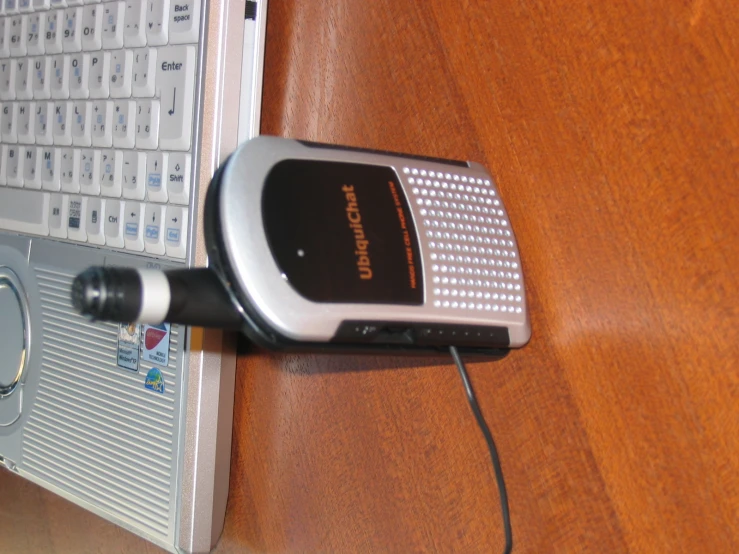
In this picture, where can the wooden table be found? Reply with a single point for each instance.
(612, 131)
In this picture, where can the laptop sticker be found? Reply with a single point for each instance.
(129, 339)
(156, 344)
(154, 381)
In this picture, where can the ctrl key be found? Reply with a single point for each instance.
(114, 224)
(175, 231)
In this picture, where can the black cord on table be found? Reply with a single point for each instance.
(491, 447)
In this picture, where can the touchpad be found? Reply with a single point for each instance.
(12, 345)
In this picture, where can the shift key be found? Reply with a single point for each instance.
(175, 89)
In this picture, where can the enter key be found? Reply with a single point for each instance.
(175, 83)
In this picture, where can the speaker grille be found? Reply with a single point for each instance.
(473, 257)
(94, 431)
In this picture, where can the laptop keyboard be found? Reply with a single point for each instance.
(96, 109)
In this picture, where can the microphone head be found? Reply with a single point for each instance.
(87, 294)
(108, 293)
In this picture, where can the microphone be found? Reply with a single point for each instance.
(186, 296)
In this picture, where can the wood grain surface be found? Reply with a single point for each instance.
(611, 129)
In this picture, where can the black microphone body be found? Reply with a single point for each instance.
(185, 296)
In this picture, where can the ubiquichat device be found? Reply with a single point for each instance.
(331, 247)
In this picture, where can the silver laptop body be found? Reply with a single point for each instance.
(113, 117)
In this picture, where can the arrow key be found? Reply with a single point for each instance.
(133, 228)
(156, 171)
(175, 231)
(154, 228)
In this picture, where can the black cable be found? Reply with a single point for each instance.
(491, 447)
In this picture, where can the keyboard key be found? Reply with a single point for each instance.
(7, 79)
(94, 222)
(8, 123)
(24, 211)
(114, 223)
(121, 62)
(147, 124)
(32, 168)
(175, 237)
(111, 169)
(89, 172)
(184, 21)
(3, 164)
(132, 227)
(99, 74)
(175, 82)
(18, 35)
(92, 27)
(156, 168)
(81, 117)
(154, 229)
(25, 6)
(4, 37)
(43, 124)
(58, 215)
(36, 26)
(25, 122)
(70, 167)
(41, 82)
(79, 76)
(124, 129)
(23, 79)
(77, 218)
(113, 24)
(60, 77)
(72, 33)
(144, 71)
(178, 178)
(134, 31)
(53, 32)
(102, 123)
(14, 167)
(51, 169)
(157, 15)
(134, 175)
(62, 119)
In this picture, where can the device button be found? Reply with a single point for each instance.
(463, 335)
(375, 331)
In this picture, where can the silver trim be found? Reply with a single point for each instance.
(206, 439)
(259, 277)
(10, 280)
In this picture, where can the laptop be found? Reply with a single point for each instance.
(113, 117)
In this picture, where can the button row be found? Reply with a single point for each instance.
(166, 120)
(117, 74)
(155, 176)
(129, 23)
(102, 123)
(134, 226)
